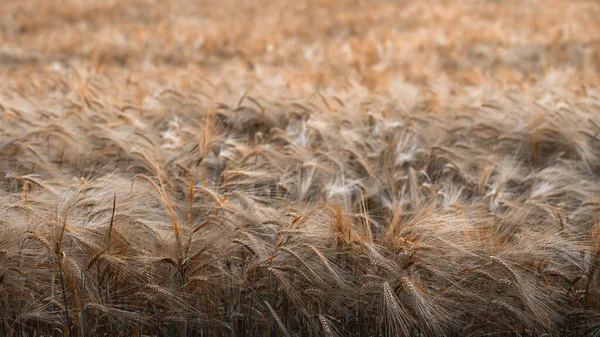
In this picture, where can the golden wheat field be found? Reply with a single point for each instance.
(299, 168)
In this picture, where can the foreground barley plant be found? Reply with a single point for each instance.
(319, 168)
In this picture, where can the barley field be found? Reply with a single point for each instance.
(299, 168)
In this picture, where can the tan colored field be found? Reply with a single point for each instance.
(299, 168)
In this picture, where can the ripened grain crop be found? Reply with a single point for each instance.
(299, 168)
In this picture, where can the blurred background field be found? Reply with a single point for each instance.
(309, 45)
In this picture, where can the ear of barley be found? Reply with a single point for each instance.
(277, 319)
(326, 327)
